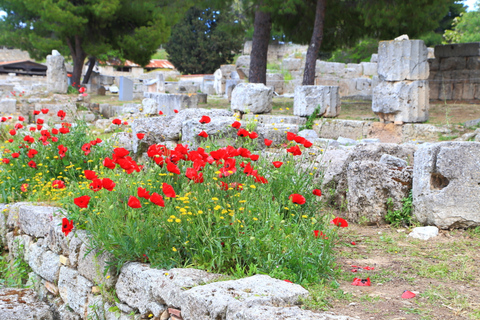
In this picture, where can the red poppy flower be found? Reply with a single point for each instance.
(319, 234)
(31, 153)
(81, 90)
(134, 202)
(20, 118)
(44, 111)
(236, 125)
(408, 294)
(24, 187)
(168, 190)
(203, 134)
(268, 143)
(54, 131)
(253, 135)
(64, 130)
(40, 121)
(125, 123)
(242, 133)
(120, 152)
(361, 282)
(6, 161)
(205, 119)
(10, 140)
(36, 112)
(291, 136)
(297, 198)
(67, 226)
(277, 164)
(58, 184)
(18, 126)
(96, 185)
(61, 150)
(295, 150)
(15, 155)
(87, 148)
(108, 184)
(353, 243)
(299, 139)
(307, 144)
(157, 199)
(62, 114)
(107, 162)
(140, 136)
(317, 192)
(82, 201)
(117, 122)
(90, 175)
(339, 222)
(12, 132)
(254, 157)
(143, 193)
(175, 110)
(160, 112)
(171, 167)
(288, 281)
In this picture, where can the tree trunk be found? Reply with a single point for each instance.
(315, 43)
(91, 64)
(258, 56)
(78, 56)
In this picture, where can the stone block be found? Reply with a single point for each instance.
(424, 233)
(353, 70)
(74, 290)
(252, 97)
(92, 265)
(149, 107)
(333, 129)
(18, 304)
(445, 185)
(219, 128)
(221, 300)
(126, 89)
(405, 101)
(276, 132)
(308, 98)
(276, 80)
(473, 63)
(458, 50)
(8, 106)
(452, 63)
(422, 131)
(37, 220)
(369, 68)
(402, 60)
(292, 64)
(274, 120)
(433, 64)
(44, 262)
(168, 102)
(57, 80)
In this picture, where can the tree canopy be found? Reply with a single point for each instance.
(466, 27)
(87, 28)
(204, 39)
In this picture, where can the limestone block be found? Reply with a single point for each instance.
(92, 265)
(221, 300)
(243, 66)
(75, 242)
(364, 86)
(369, 68)
(453, 63)
(333, 68)
(433, 64)
(57, 80)
(424, 233)
(219, 128)
(332, 129)
(308, 98)
(275, 132)
(391, 161)
(123, 140)
(227, 70)
(274, 120)
(8, 106)
(346, 141)
(66, 314)
(402, 60)
(74, 290)
(468, 91)
(169, 102)
(374, 58)
(445, 185)
(18, 246)
(353, 70)
(287, 313)
(276, 80)
(37, 220)
(458, 50)
(23, 304)
(404, 101)
(292, 64)
(422, 131)
(347, 87)
(149, 107)
(230, 84)
(252, 97)
(370, 185)
(44, 262)
(308, 134)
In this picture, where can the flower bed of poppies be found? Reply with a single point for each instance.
(220, 209)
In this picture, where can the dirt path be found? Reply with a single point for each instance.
(443, 272)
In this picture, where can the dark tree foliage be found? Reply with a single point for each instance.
(203, 40)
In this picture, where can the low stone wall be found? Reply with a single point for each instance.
(70, 277)
(169, 102)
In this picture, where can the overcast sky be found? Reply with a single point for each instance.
(470, 4)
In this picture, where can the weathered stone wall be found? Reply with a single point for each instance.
(13, 54)
(69, 275)
(455, 72)
(278, 51)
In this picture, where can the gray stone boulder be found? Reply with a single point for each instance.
(370, 186)
(308, 134)
(402, 101)
(92, 265)
(57, 80)
(222, 300)
(18, 304)
(402, 60)
(445, 185)
(74, 290)
(37, 220)
(43, 262)
(309, 98)
(252, 97)
(219, 128)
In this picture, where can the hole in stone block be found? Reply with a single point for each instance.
(438, 181)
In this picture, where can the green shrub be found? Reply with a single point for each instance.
(362, 52)
(402, 217)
